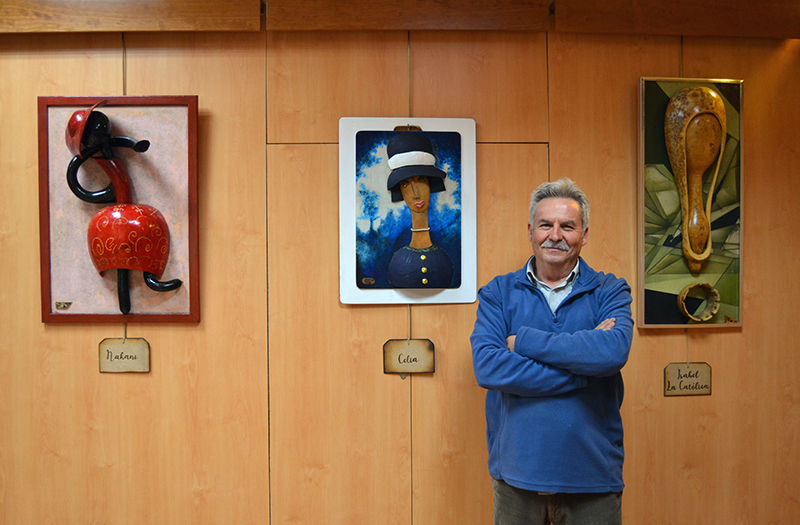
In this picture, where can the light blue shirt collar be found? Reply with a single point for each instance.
(555, 295)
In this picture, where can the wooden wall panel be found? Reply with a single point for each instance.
(340, 427)
(308, 15)
(450, 459)
(51, 459)
(737, 18)
(47, 16)
(498, 79)
(314, 79)
(758, 412)
(209, 382)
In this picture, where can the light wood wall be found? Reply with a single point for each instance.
(275, 408)
(188, 442)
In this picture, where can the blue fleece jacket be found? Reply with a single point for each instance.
(552, 406)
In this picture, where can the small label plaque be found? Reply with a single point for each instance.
(124, 355)
(687, 379)
(408, 356)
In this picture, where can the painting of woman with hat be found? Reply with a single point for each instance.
(413, 178)
(408, 210)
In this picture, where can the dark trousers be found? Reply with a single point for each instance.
(513, 506)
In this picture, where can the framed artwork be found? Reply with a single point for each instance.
(407, 211)
(118, 209)
(690, 202)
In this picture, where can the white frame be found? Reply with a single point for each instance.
(349, 292)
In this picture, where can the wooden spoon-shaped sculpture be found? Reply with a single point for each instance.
(694, 129)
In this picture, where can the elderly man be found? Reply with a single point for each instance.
(549, 342)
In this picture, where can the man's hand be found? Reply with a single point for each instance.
(510, 342)
(608, 324)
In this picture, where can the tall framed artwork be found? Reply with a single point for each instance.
(118, 209)
(690, 224)
(407, 209)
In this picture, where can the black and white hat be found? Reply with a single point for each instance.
(411, 155)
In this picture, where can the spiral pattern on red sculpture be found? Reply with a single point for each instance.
(129, 236)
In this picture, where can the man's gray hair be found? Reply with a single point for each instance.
(562, 188)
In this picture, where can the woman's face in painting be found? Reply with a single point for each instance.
(416, 193)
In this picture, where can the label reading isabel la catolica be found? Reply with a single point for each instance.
(687, 379)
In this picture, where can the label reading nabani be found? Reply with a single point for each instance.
(124, 355)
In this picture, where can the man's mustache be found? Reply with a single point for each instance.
(560, 245)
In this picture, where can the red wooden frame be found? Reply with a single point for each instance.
(51, 144)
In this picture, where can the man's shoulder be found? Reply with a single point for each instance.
(506, 279)
(593, 278)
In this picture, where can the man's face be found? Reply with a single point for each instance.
(557, 234)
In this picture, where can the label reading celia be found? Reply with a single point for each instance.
(408, 356)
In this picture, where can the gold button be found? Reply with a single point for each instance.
(424, 281)
(423, 257)
(424, 270)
